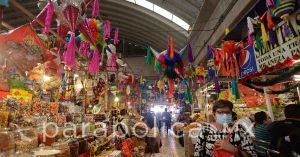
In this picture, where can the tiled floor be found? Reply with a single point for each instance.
(170, 148)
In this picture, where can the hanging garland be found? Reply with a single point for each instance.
(261, 90)
(286, 75)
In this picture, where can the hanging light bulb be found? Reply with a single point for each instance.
(46, 78)
(117, 99)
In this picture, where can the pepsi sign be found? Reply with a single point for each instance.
(247, 62)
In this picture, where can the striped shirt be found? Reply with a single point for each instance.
(262, 139)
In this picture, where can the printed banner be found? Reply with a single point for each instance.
(287, 48)
(22, 48)
(247, 62)
(269, 57)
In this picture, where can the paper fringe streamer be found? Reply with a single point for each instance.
(189, 94)
(171, 88)
(84, 49)
(49, 17)
(148, 59)
(258, 41)
(270, 3)
(106, 29)
(250, 39)
(116, 37)
(171, 48)
(190, 53)
(93, 67)
(235, 90)
(157, 66)
(217, 85)
(287, 30)
(273, 37)
(250, 25)
(69, 55)
(270, 22)
(96, 8)
(265, 37)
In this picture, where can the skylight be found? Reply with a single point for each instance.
(161, 11)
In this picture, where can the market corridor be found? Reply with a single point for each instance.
(170, 148)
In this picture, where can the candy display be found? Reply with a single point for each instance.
(7, 148)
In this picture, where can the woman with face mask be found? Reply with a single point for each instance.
(222, 137)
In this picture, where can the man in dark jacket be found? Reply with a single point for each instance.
(166, 119)
(280, 129)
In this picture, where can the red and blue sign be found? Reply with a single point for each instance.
(247, 62)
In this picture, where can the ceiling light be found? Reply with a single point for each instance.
(297, 76)
(117, 99)
(46, 78)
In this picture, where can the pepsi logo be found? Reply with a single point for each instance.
(245, 59)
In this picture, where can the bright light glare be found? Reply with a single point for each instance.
(297, 76)
(117, 99)
(163, 12)
(181, 23)
(132, 1)
(145, 4)
(157, 109)
(46, 78)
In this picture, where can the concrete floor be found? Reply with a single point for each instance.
(170, 148)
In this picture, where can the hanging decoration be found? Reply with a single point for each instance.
(148, 59)
(190, 53)
(111, 57)
(189, 95)
(171, 61)
(228, 53)
(116, 37)
(93, 66)
(49, 17)
(71, 12)
(25, 49)
(235, 90)
(96, 9)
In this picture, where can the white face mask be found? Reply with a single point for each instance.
(224, 118)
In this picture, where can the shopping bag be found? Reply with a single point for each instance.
(223, 153)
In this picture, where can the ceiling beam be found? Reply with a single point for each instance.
(123, 5)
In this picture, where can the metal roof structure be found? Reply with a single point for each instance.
(137, 23)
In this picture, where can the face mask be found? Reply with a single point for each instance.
(223, 118)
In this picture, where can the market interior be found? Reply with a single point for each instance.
(136, 78)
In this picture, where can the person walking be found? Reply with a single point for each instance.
(262, 136)
(280, 129)
(166, 119)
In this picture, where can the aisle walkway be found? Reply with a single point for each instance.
(170, 148)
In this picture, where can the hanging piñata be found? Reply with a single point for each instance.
(171, 61)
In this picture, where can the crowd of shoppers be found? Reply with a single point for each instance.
(226, 136)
